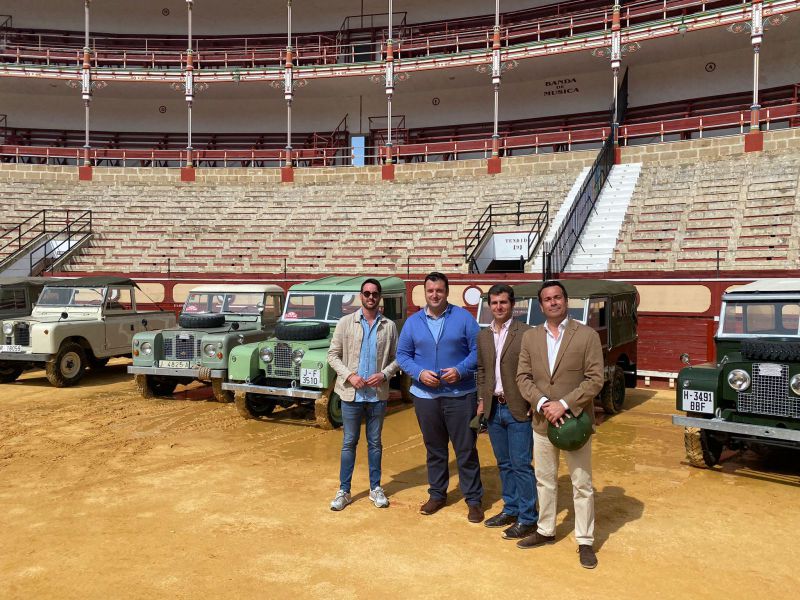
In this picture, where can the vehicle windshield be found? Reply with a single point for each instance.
(774, 318)
(71, 296)
(524, 306)
(246, 303)
(320, 307)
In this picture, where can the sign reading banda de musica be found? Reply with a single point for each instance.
(558, 87)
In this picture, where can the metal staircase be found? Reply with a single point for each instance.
(43, 241)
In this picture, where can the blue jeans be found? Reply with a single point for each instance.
(352, 415)
(512, 443)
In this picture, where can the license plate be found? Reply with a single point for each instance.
(7, 348)
(310, 377)
(175, 364)
(698, 401)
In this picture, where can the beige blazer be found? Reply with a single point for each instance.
(508, 370)
(345, 352)
(577, 377)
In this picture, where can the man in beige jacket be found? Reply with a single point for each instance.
(362, 353)
(560, 373)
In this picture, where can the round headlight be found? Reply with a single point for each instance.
(210, 350)
(739, 380)
(266, 354)
(795, 384)
(146, 348)
(297, 356)
(8, 328)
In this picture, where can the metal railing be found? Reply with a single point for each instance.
(508, 214)
(47, 255)
(558, 251)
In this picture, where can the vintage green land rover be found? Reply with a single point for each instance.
(292, 368)
(215, 318)
(608, 307)
(750, 397)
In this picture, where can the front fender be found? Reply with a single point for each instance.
(243, 363)
(46, 338)
(701, 378)
(156, 340)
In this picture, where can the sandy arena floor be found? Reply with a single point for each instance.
(106, 495)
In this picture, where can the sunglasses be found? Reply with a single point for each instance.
(368, 294)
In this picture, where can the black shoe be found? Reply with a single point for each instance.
(518, 531)
(475, 513)
(501, 520)
(587, 556)
(535, 539)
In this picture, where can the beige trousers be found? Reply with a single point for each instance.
(579, 463)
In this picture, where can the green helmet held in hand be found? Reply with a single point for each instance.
(572, 434)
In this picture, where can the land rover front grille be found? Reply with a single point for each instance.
(168, 348)
(185, 348)
(284, 366)
(23, 334)
(769, 394)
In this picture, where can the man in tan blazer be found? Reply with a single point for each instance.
(362, 352)
(507, 412)
(560, 373)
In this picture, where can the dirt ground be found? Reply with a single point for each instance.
(106, 495)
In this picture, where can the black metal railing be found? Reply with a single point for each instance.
(558, 251)
(532, 214)
(45, 256)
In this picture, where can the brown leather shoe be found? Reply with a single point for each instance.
(534, 540)
(431, 506)
(587, 556)
(475, 514)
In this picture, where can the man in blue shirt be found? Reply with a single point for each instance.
(362, 353)
(437, 348)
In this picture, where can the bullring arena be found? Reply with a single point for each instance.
(180, 144)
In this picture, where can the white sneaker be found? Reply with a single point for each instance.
(342, 500)
(379, 497)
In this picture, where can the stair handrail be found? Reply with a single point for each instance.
(538, 228)
(18, 227)
(81, 226)
(474, 237)
(557, 252)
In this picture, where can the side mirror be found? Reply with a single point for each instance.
(235, 326)
(64, 315)
(241, 338)
(144, 322)
(685, 358)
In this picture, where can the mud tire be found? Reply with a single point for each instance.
(701, 451)
(328, 410)
(773, 351)
(155, 387)
(301, 332)
(202, 321)
(68, 367)
(253, 406)
(220, 395)
(9, 373)
(612, 398)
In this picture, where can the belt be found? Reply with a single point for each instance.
(499, 399)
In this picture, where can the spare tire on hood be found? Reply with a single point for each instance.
(201, 321)
(301, 331)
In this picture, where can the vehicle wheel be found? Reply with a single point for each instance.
(301, 332)
(9, 373)
(328, 410)
(613, 394)
(253, 406)
(97, 363)
(68, 366)
(702, 451)
(151, 386)
(203, 321)
(221, 395)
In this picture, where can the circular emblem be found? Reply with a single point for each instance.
(435, 101)
(711, 67)
(472, 296)
(165, 12)
(162, 109)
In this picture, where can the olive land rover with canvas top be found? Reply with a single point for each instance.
(215, 318)
(18, 295)
(608, 307)
(749, 397)
(292, 367)
(76, 323)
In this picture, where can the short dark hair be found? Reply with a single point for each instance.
(374, 282)
(552, 283)
(436, 276)
(501, 288)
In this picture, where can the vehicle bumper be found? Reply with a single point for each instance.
(268, 390)
(775, 433)
(193, 373)
(25, 356)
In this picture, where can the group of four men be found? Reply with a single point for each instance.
(525, 377)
